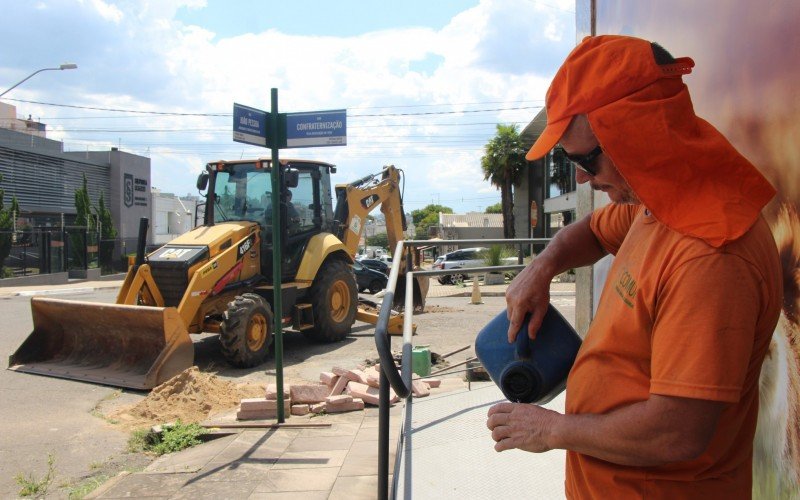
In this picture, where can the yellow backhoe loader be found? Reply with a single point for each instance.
(218, 278)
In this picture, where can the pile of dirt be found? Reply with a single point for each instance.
(191, 396)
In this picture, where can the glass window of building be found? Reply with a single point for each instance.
(560, 173)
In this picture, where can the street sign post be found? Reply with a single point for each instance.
(316, 128)
(277, 131)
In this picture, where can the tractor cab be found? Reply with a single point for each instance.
(242, 191)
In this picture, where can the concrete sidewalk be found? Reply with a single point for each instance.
(334, 457)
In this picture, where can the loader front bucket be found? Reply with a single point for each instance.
(137, 347)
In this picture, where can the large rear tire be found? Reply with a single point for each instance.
(246, 332)
(334, 299)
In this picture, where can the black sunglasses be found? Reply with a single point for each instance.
(586, 162)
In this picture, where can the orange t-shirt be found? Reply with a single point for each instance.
(677, 317)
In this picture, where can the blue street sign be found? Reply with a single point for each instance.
(316, 128)
(249, 125)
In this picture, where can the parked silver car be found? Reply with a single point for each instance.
(459, 259)
(462, 259)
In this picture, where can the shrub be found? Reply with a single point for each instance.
(174, 437)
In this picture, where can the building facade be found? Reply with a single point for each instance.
(44, 179)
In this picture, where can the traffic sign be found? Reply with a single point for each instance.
(316, 128)
(249, 125)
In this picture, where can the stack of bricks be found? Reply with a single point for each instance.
(264, 408)
(364, 384)
(339, 390)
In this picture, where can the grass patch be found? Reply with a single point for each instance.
(139, 441)
(81, 490)
(31, 485)
(95, 412)
(172, 438)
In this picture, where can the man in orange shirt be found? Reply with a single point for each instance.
(662, 399)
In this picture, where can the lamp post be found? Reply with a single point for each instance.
(62, 67)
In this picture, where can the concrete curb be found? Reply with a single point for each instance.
(57, 290)
(31, 293)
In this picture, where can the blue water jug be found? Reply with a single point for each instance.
(529, 371)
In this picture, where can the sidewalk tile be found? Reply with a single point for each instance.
(298, 480)
(320, 443)
(146, 485)
(290, 495)
(215, 490)
(192, 459)
(310, 459)
(362, 459)
(250, 469)
(355, 488)
(336, 429)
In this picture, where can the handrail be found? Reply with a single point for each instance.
(389, 374)
(385, 350)
(382, 328)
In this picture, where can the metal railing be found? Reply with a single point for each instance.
(400, 382)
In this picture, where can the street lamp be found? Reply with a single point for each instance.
(62, 67)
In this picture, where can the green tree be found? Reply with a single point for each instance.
(83, 219)
(107, 234)
(83, 206)
(427, 217)
(497, 208)
(378, 240)
(502, 166)
(7, 217)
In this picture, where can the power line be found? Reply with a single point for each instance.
(229, 115)
(446, 112)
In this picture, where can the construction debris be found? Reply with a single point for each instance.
(191, 397)
(340, 390)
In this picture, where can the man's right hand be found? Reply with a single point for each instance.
(529, 292)
(573, 246)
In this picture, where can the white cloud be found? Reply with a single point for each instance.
(136, 55)
(107, 11)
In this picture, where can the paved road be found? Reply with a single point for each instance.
(41, 416)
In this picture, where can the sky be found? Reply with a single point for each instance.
(424, 82)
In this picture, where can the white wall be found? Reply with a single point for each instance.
(172, 216)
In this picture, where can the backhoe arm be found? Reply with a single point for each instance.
(356, 200)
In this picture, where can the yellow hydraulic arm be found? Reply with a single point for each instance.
(361, 197)
(355, 201)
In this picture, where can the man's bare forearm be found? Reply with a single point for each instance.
(573, 246)
(657, 431)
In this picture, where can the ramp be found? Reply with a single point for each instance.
(452, 452)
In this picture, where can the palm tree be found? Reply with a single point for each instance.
(502, 166)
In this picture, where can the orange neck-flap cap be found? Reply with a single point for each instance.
(599, 71)
(680, 167)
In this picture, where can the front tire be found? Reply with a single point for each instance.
(334, 299)
(375, 287)
(246, 331)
